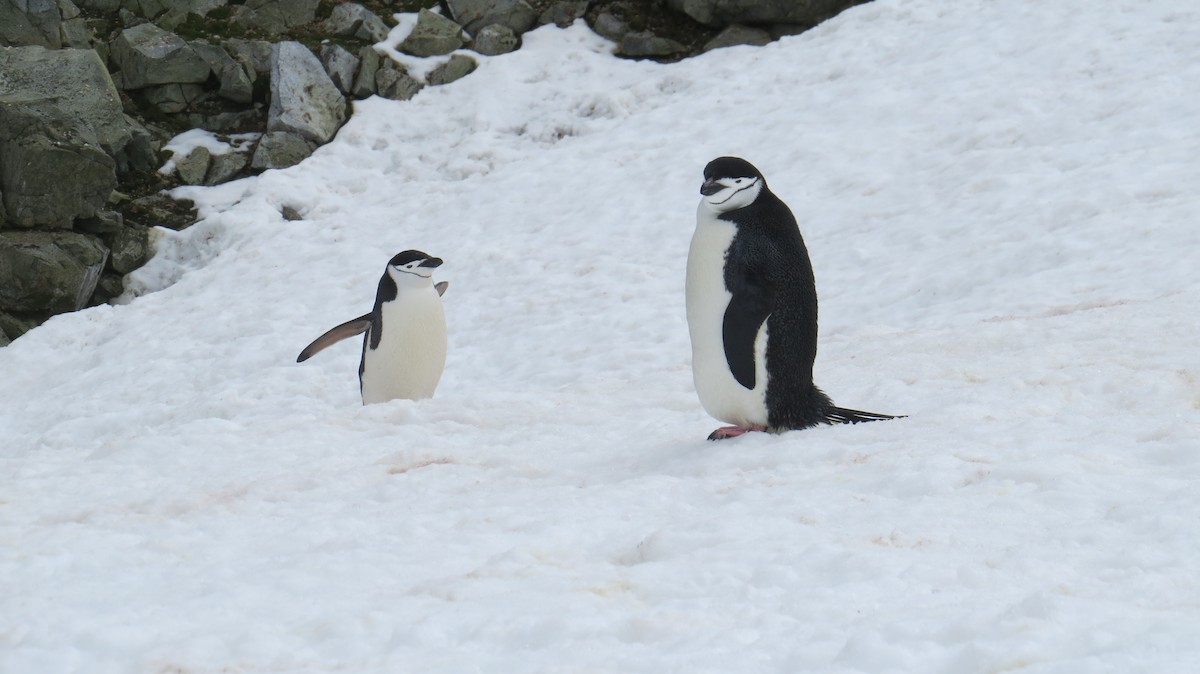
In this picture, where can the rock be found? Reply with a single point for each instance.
(274, 16)
(303, 98)
(495, 39)
(354, 20)
(290, 213)
(141, 153)
(111, 285)
(4, 341)
(100, 6)
(52, 167)
(148, 55)
(611, 27)
(644, 43)
(228, 122)
(517, 15)
(193, 166)
(15, 326)
(721, 13)
(30, 23)
(197, 7)
(253, 53)
(173, 98)
(280, 150)
(368, 67)
(434, 35)
(34, 73)
(235, 82)
(564, 13)
(49, 272)
(737, 34)
(457, 67)
(129, 249)
(340, 65)
(395, 83)
(74, 31)
(224, 167)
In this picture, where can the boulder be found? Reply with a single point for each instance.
(458, 67)
(737, 34)
(434, 35)
(225, 166)
(256, 54)
(355, 21)
(103, 223)
(368, 67)
(517, 15)
(495, 39)
(160, 210)
(395, 83)
(129, 249)
(146, 55)
(30, 22)
(563, 13)
(341, 65)
(303, 98)
(611, 27)
(235, 79)
(720, 13)
(173, 98)
(52, 167)
(4, 341)
(274, 16)
(193, 166)
(141, 153)
(15, 326)
(49, 272)
(280, 149)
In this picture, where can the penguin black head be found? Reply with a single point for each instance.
(413, 263)
(731, 183)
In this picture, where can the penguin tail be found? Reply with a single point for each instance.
(841, 415)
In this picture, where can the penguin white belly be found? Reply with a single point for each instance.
(412, 349)
(707, 298)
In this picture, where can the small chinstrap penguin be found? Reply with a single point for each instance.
(752, 310)
(404, 345)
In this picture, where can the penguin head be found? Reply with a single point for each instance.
(730, 183)
(412, 268)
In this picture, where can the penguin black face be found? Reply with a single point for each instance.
(413, 263)
(730, 183)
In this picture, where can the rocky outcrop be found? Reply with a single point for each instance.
(48, 271)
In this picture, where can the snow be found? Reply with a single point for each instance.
(183, 144)
(999, 201)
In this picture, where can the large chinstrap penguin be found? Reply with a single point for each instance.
(404, 345)
(752, 310)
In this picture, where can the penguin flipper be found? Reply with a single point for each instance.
(336, 334)
(841, 415)
(747, 311)
(441, 287)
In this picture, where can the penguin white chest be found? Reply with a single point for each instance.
(411, 355)
(707, 299)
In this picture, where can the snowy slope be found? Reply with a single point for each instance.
(1000, 203)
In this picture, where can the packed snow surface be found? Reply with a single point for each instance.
(1000, 201)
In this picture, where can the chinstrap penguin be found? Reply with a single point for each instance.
(752, 310)
(404, 348)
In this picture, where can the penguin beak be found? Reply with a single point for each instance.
(711, 187)
(431, 262)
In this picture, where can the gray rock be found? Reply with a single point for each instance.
(395, 83)
(111, 285)
(130, 248)
(224, 167)
(495, 39)
(52, 168)
(517, 15)
(173, 98)
(253, 53)
(737, 34)
(433, 35)
(354, 20)
(281, 150)
(341, 65)
(160, 210)
(611, 27)
(76, 33)
(193, 166)
(148, 55)
(236, 84)
(290, 213)
(141, 153)
(30, 22)
(227, 122)
(726, 12)
(197, 7)
(645, 43)
(456, 68)
(102, 223)
(274, 16)
(4, 340)
(77, 83)
(48, 272)
(303, 98)
(364, 83)
(100, 6)
(15, 326)
(564, 12)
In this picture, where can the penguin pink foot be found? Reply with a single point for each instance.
(725, 432)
